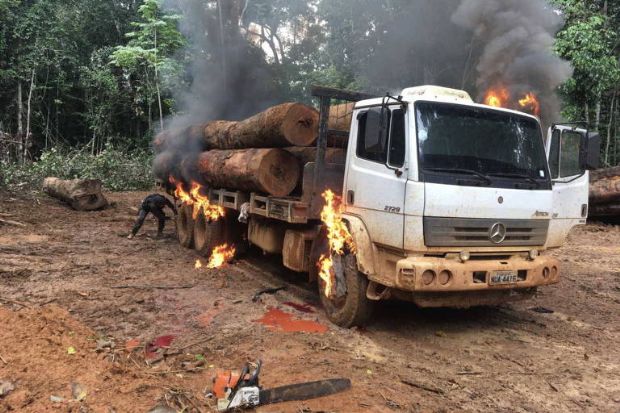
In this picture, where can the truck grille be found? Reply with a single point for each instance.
(471, 232)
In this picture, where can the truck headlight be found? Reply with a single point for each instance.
(464, 256)
(533, 254)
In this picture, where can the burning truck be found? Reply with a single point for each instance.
(426, 196)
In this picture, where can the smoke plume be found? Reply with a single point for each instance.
(516, 37)
(473, 45)
(468, 44)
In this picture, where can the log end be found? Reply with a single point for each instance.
(301, 125)
(279, 172)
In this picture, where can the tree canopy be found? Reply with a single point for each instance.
(87, 72)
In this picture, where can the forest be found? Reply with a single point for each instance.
(85, 84)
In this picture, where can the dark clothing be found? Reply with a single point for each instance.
(155, 205)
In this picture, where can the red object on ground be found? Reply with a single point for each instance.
(162, 342)
(278, 320)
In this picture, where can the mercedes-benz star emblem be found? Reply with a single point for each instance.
(497, 233)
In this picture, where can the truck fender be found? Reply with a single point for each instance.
(363, 244)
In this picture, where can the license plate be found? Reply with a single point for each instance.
(504, 277)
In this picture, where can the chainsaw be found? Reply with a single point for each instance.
(241, 391)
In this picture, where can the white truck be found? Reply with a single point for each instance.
(449, 203)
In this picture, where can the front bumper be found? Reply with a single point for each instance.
(434, 274)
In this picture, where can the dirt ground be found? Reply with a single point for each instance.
(93, 322)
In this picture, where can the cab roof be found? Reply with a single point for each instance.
(438, 94)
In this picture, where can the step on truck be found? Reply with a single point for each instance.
(448, 203)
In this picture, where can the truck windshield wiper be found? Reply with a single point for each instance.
(480, 175)
(516, 175)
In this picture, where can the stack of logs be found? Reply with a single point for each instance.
(264, 153)
(605, 194)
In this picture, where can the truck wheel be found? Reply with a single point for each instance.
(208, 235)
(185, 226)
(354, 308)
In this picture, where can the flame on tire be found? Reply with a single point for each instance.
(198, 201)
(338, 236)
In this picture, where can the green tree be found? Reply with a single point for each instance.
(590, 40)
(148, 57)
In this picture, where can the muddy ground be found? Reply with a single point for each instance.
(91, 321)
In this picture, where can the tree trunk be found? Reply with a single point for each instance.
(272, 171)
(28, 116)
(20, 121)
(609, 128)
(597, 113)
(80, 194)
(161, 111)
(289, 124)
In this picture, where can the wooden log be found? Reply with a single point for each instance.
(308, 154)
(605, 190)
(604, 173)
(605, 210)
(272, 171)
(288, 124)
(340, 117)
(80, 194)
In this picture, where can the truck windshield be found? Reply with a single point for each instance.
(502, 147)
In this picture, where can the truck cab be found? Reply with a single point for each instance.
(453, 203)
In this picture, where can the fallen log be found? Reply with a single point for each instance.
(308, 154)
(80, 194)
(288, 124)
(272, 171)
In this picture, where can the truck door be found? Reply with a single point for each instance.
(570, 154)
(375, 183)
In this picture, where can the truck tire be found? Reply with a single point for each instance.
(208, 235)
(354, 309)
(185, 226)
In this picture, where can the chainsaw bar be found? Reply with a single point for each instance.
(303, 391)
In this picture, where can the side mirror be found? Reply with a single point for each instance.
(590, 153)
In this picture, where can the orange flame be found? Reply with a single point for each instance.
(338, 237)
(338, 234)
(500, 97)
(199, 202)
(198, 265)
(326, 265)
(530, 101)
(497, 97)
(221, 255)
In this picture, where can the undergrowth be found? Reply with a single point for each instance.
(119, 170)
